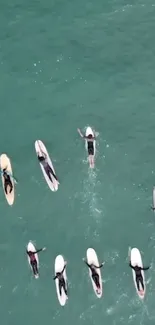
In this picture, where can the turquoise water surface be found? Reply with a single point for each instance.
(64, 65)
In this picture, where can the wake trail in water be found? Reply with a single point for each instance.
(91, 198)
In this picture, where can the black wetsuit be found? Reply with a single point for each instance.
(139, 278)
(7, 182)
(62, 284)
(47, 168)
(90, 143)
(33, 260)
(95, 275)
(90, 147)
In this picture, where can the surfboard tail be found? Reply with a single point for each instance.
(141, 294)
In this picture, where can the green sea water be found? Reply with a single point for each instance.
(63, 65)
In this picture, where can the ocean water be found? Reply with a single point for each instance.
(64, 65)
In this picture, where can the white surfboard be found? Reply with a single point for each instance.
(153, 206)
(6, 163)
(31, 248)
(59, 265)
(40, 148)
(135, 258)
(93, 259)
(91, 159)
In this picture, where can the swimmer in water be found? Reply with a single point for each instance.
(43, 160)
(7, 180)
(94, 274)
(60, 277)
(33, 260)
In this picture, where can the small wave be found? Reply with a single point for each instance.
(110, 310)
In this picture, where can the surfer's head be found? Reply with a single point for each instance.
(31, 253)
(90, 136)
(41, 158)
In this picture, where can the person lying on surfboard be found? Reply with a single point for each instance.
(43, 160)
(7, 180)
(90, 139)
(95, 275)
(62, 284)
(139, 278)
(33, 260)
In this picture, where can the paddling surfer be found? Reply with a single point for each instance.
(94, 274)
(33, 260)
(90, 140)
(62, 283)
(139, 277)
(43, 160)
(7, 180)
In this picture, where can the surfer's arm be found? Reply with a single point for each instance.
(40, 250)
(145, 268)
(55, 277)
(131, 265)
(87, 263)
(98, 267)
(52, 173)
(63, 269)
(79, 131)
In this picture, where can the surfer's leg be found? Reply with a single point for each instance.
(91, 161)
(5, 186)
(96, 280)
(138, 282)
(51, 171)
(92, 151)
(48, 172)
(64, 286)
(11, 186)
(34, 267)
(141, 281)
(60, 287)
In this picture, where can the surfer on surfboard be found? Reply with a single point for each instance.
(60, 277)
(139, 278)
(7, 180)
(95, 275)
(43, 160)
(33, 260)
(90, 140)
